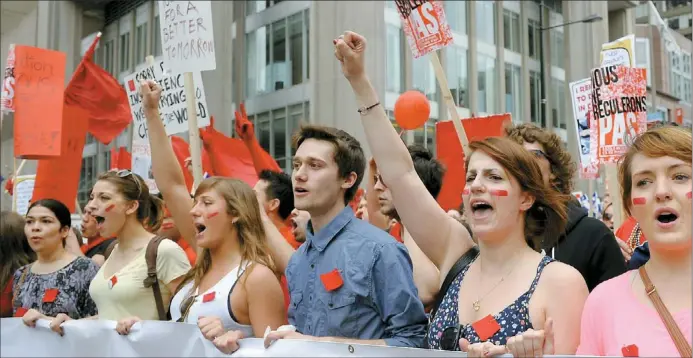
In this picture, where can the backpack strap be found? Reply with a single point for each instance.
(461, 263)
(109, 249)
(152, 280)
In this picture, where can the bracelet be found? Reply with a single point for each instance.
(364, 110)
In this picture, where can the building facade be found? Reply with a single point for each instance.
(277, 57)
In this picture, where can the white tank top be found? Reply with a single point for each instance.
(214, 302)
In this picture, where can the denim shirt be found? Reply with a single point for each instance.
(377, 299)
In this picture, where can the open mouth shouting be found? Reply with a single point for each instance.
(481, 209)
(666, 217)
(200, 230)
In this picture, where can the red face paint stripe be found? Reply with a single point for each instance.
(110, 207)
(689, 194)
(499, 192)
(465, 191)
(211, 215)
(639, 201)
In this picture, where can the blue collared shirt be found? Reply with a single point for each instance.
(377, 298)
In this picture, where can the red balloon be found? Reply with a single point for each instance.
(412, 110)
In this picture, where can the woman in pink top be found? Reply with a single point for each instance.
(620, 318)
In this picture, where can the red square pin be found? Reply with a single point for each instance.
(486, 327)
(112, 282)
(630, 351)
(208, 297)
(332, 280)
(131, 85)
(50, 295)
(20, 312)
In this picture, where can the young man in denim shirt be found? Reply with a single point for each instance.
(350, 281)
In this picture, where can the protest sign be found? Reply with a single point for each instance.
(22, 192)
(7, 98)
(618, 111)
(425, 25)
(187, 37)
(581, 95)
(618, 53)
(38, 99)
(449, 152)
(58, 177)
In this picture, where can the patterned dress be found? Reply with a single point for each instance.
(513, 319)
(63, 291)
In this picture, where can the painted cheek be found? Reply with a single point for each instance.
(639, 201)
(688, 195)
(110, 207)
(465, 191)
(211, 215)
(498, 192)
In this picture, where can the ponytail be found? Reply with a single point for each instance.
(151, 212)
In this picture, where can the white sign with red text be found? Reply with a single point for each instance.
(425, 25)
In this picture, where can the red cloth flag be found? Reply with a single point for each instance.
(229, 157)
(124, 159)
(114, 159)
(96, 91)
(182, 151)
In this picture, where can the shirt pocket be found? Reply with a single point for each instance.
(342, 315)
(296, 318)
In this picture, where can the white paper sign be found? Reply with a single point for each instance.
(187, 37)
(22, 192)
(581, 95)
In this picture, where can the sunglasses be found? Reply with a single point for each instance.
(449, 340)
(124, 173)
(185, 307)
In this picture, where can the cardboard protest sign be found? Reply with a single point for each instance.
(58, 178)
(449, 152)
(581, 95)
(618, 53)
(38, 99)
(425, 25)
(21, 197)
(618, 111)
(7, 98)
(187, 37)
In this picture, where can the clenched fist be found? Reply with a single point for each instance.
(151, 93)
(349, 49)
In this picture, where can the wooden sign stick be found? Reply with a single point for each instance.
(193, 131)
(449, 102)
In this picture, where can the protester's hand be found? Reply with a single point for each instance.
(124, 325)
(625, 249)
(31, 316)
(533, 343)
(349, 49)
(151, 93)
(485, 349)
(57, 322)
(287, 334)
(244, 127)
(211, 327)
(228, 342)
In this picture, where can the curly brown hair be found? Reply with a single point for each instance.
(562, 165)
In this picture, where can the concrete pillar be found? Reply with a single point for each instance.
(472, 76)
(621, 23)
(525, 94)
(500, 59)
(333, 102)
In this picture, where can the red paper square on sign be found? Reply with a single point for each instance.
(208, 297)
(486, 327)
(50, 295)
(331, 280)
(21, 311)
(131, 85)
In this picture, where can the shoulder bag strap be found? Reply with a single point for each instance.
(674, 331)
(109, 249)
(463, 261)
(152, 280)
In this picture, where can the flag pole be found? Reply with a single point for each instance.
(193, 131)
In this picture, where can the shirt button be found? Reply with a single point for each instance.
(329, 305)
(310, 298)
(312, 266)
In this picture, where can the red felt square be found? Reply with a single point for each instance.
(131, 85)
(50, 295)
(332, 280)
(630, 351)
(112, 282)
(486, 327)
(21, 311)
(208, 297)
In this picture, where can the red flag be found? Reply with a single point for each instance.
(124, 159)
(229, 157)
(96, 91)
(182, 151)
(114, 159)
(450, 153)
(58, 178)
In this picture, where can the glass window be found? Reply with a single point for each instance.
(258, 57)
(557, 54)
(141, 43)
(124, 47)
(511, 31)
(513, 98)
(486, 77)
(280, 71)
(254, 6)
(533, 31)
(423, 77)
(108, 63)
(456, 15)
(642, 56)
(457, 75)
(158, 51)
(306, 16)
(279, 133)
(262, 130)
(534, 97)
(486, 21)
(296, 48)
(393, 59)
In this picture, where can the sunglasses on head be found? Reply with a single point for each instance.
(125, 173)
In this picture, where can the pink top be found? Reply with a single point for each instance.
(614, 319)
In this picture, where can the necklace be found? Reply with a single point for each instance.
(477, 304)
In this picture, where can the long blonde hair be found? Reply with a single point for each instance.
(242, 204)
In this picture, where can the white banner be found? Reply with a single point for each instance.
(23, 191)
(187, 37)
(86, 338)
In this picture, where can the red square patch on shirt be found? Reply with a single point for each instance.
(486, 327)
(21, 311)
(630, 351)
(332, 280)
(50, 295)
(208, 297)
